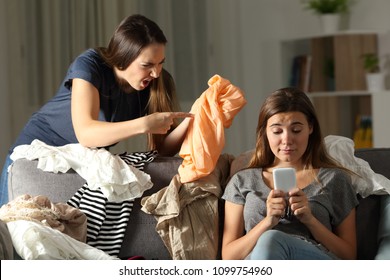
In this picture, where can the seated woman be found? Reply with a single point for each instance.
(314, 220)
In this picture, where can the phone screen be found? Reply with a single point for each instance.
(284, 178)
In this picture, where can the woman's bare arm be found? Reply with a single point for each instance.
(91, 132)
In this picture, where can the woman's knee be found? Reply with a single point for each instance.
(271, 237)
(269, 246)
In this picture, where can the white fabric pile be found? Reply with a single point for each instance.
(343, 150)
(117, 180)
(33, 241)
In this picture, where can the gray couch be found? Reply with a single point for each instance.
(141, 238)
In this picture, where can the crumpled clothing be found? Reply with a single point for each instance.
(213, 111)
(33, 241)
(40, 209)
(187, 214)
(106, 221)
(117, 180)
(368, 183)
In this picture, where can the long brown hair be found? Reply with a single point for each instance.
(283, 100)
(162, 99)
(132, 35)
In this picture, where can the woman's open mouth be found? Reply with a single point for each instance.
(145, 83)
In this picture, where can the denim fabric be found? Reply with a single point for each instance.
(4, 182)
(277, 245)
(384, 230)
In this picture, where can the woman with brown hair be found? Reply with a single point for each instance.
(110, 94)
(317, 219)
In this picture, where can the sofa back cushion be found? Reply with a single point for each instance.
(368, 210)
(25, 178)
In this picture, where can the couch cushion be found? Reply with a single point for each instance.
(141, 237)
(378, 158)
(367, 221)
(25, 178)
(368, 210)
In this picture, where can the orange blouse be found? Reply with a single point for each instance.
(213, 111)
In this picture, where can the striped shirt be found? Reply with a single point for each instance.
(107, 221)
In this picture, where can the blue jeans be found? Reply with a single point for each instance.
(277, 245)
(384, 230)
(4, 182)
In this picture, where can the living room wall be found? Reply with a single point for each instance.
(238, 40)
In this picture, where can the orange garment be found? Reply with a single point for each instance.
(213, 111)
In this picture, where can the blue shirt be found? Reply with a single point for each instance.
(52, 124)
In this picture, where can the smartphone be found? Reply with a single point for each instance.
(284, 178)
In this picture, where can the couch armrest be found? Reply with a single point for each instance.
(368, 212)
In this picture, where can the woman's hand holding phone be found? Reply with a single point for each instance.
(285, 180)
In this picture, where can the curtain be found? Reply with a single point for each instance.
(43, 37)
(5, 138)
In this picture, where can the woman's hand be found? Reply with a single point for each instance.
(276, 205)
(160, 123)
(299, 205)
(91, 132)
(341, 241)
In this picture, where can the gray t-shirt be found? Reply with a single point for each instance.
(331, 199)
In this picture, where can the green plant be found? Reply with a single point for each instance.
(371, 62)
(327, 6)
